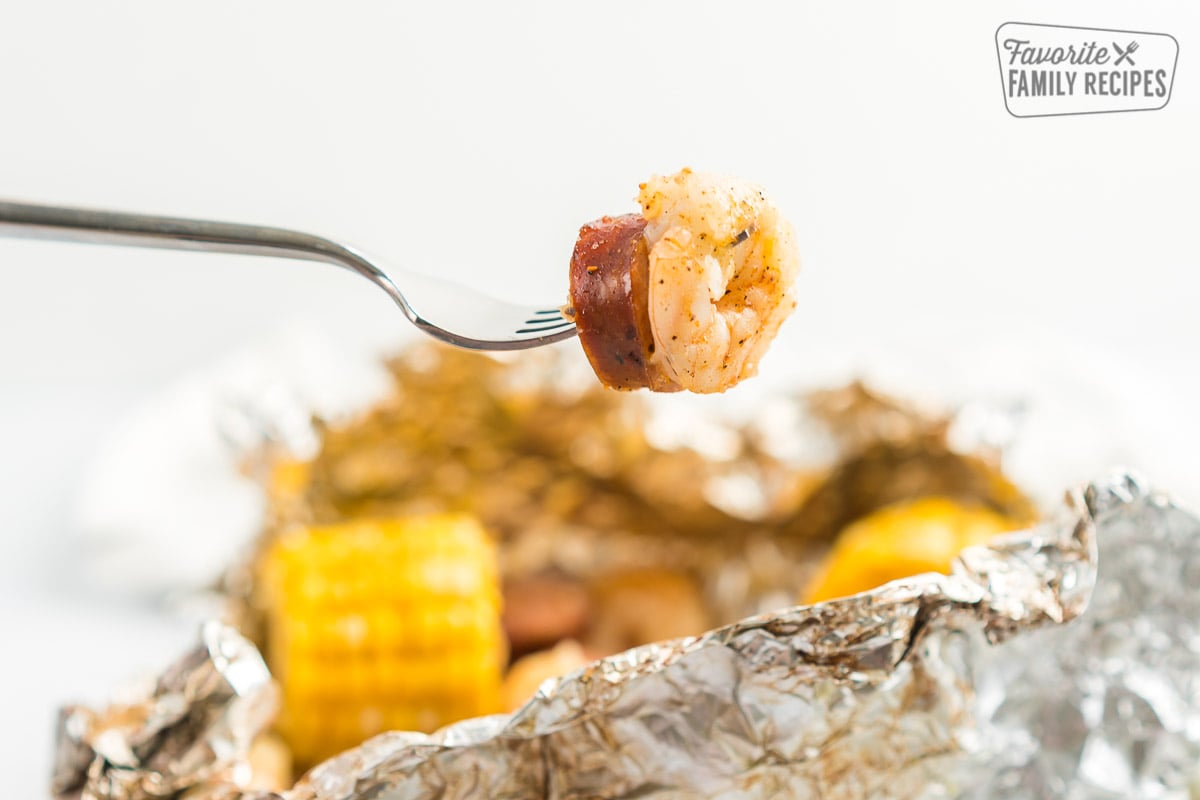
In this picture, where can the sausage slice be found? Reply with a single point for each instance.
(610, 293)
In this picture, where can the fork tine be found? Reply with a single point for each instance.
(544, 328)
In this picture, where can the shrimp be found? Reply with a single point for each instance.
(722, 262)
(689, 293)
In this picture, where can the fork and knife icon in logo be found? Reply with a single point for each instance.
(1126, 54)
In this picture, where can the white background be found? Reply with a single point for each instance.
(941, 238)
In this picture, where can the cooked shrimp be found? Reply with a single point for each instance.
(688, 294)
(721, 266)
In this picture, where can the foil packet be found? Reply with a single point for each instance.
(1108, 706)
(191, 727)
(991, 682)
(858, 697)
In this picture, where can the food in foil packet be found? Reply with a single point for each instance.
(966, 685)
(606, 538)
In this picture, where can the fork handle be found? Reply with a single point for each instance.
(60, 223)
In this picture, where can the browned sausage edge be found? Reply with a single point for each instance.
(610, 294)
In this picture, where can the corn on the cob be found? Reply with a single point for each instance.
(381, 625)
(905, 539)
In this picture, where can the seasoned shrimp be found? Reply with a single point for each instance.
(689, 293)
(721, 266)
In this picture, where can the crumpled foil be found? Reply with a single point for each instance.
(980, 684)
(1109, 706)
(193, 726)
(858, 697)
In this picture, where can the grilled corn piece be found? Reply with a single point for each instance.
(381, 625)
(905, 539)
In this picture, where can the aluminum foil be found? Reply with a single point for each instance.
(980, 684)
(192, 727)
(1109, 706)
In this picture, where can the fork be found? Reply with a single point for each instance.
(444, 310)
(1126, 54)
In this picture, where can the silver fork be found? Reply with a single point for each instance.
(441, 309)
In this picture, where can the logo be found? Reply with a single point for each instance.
(1053, 70)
